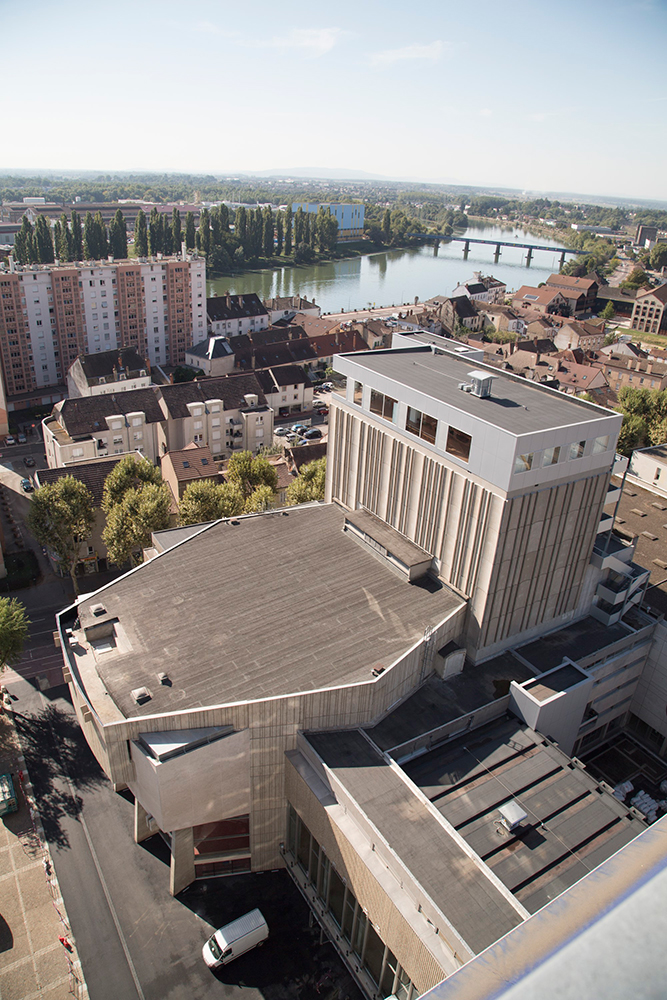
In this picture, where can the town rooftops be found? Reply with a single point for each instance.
(530, 296)
(231, 635)
(211, 349)
(110, 365)
(192, 462)
(515, 404)
(232, 390)
(91, 474)
(565, 281)
(660, 293)
(226, 307)
(85, 415)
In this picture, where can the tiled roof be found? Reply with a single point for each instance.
(224, 307)
(660, 293)
(565, 281)
(92, 474)
(192, 462)
(231, 389)
(102, 364)
(214, 347)
(84, 415)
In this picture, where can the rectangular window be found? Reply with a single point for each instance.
(600, 445)
(357, 392)
(458, 444)
(551, 456)
(577, 449)
(429, 428)
(384, 406)
(523, 463)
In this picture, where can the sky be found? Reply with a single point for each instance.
(538, 96)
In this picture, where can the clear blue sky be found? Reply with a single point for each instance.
(567, 96)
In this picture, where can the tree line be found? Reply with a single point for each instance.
(136, 502)
(69, 241)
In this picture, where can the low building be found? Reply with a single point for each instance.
(107, 372)
(503, 318)
(213, 357)
(648, 314)
(287, 388)
(231, 315)
(622, 299)
(580, 335)
(574, 289)
(542, 301)
(192, 464)
(286, 307)
(638, 373)
(483, 288)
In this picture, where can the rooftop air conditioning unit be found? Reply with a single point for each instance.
(481, 383)
(465, 386)
(512, 815)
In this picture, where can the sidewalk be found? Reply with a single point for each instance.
(38, 958)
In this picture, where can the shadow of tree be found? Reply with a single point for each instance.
(60, 764)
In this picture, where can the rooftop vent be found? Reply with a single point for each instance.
(141, 695)
(98, 610)
(164, 679)
(512, 815)
(480, 383)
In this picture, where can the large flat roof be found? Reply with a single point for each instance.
(517, 405)
(257, 607)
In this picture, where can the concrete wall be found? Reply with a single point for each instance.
(650, 698)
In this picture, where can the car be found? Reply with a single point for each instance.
(327, 386)
(9, 440)
(281, 431)
(322, 411)
(299, 428)
(27, 486)
(292, 438)
(29, 461)
(313, 434)
(22, 439)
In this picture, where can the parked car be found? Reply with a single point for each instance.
(299, 428)
(21, 438)
(322, 411)
(327, 386)
(281, 431)
(27, 486)
(9, 440)
(29, 461)
(235, 939)
(313, 434)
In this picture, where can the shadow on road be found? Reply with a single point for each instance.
(55, 749)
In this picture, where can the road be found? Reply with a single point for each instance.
(134, 940)
(381, 311)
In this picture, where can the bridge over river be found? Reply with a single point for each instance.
(467, 240)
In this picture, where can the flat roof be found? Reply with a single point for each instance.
(575, 641)
(517, 405)
(257, 607)
(393, 541)
(458, 885)
(558, 680)
(572, 824)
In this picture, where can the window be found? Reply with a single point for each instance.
(577, 449)
(551, 456)
(458, 444)
(198, 424)
(357, 392)
(421, 424)
(384, 406)
(600, 445)
(523, 463)
(136, 421)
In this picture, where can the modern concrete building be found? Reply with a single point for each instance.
(51, 314)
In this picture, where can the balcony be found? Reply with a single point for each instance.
(612, 552)
(606, 613)
(613, 494)
(624, 586)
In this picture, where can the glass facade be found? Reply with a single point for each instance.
(377, 960)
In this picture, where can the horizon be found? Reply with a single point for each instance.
(510, 103)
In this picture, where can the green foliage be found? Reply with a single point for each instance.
(62, 513)
(118, 237)
(189, 230)
(248, 473)
(77, 237)
(309, 485)
(267, 232)
(129, 474)
(176, 230)
(14, 625)
(658, 256)
(43, 241)
(608, 312)
(183, 374)
(644, 418)
(636, 279)
(141, 235)
(288, 227)
(208, 501)
(131, 522)
(205, 231)
(260, 499)
(25, 251)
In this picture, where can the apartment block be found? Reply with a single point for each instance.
(350, 217)
(51, 314)
(648, 313)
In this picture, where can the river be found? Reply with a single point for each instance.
(397, 276)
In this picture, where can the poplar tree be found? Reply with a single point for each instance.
(386, 225)
(224, 219)
(189, 231)
(176, 230)
(141, 235)
(118, 236)
(299, 225)
(267, 232)
(241, 224)
(63, 241)
(167, 236)
(89, 238)
(305, 238)
(205, 231)
(43, 241)
(24, 243)
(288, 230)
(279, 232)
(154, 232)
(77, 237)
(102, 237)
(216, 228)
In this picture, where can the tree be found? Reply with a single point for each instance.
(658, 256)
(176, 230)
(129, 474)
(118, 236)
(248, 473)
(102, 238)
(131, 522)
(205, 231)
(633, 435)
(386, 225)
(288, 230)
(279, 232)
(267, 232)
(154, 232)
(141, 235)
(24, 243)
(309, 484)
(14, 624)
(63, 240)
(299, 225)
(608, 312)
(241, 224)
(260, 499)
(209, 501)
(77, 237)
(61, 515)
(167, 236)
(189, 231)
(636, 279)
(43, 241)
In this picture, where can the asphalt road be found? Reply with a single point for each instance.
(134, 940)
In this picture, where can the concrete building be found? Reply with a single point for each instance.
(51, 314)
(213, 356)
(107, 372)
(286, 307)
(234, 315)
(483, 288)
(648, 313)
(648, 468)
(350, 218)
(582, 335)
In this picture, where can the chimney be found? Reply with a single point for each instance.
(630, 363)
(229, 301)
(649, 366)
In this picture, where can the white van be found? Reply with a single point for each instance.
(235, 939)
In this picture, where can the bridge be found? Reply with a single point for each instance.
(467, 240)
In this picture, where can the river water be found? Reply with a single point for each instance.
(397, 276)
